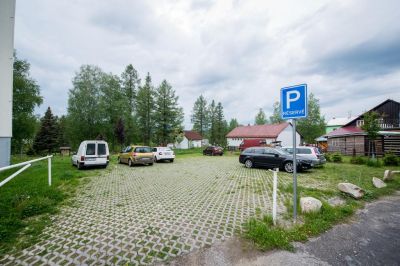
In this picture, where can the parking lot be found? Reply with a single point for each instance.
(145, 214)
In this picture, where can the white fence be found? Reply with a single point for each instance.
(26, 165)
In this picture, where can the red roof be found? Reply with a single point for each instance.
(344, 131)
(258, 131)
(192, 135)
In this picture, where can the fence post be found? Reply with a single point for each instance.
(49, 166)
(274, 192)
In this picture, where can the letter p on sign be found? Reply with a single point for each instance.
(294, 102)
(289, 97)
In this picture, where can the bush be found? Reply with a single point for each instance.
(328, 157)
(374, 162)
(357, 160)
(337, 158)
(390, 159)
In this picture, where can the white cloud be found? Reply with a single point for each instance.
(238, 52)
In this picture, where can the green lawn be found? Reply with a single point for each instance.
(320, 183)
(27, 200)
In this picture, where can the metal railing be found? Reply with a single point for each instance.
(26, 165)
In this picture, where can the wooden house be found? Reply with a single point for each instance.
(350, 139)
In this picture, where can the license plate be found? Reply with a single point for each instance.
(167, 153)
(145, 159)
(90, 159)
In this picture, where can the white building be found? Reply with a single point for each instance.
(269, 133)
(191, 139)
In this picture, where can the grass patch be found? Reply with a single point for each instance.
(266, 236)
(27, 200)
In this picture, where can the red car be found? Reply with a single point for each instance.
(247, 143)
(213, 150)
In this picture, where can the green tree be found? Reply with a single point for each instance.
(233, 124)
(220, 126)
(314, 125)
(46, 139)
(276, 118)
(261, 118)
(62, 132)
(145, 110)
(372, 127)
(119, 131)
(212, 116)
(26, 96)
(168, 115)
(112, 105)
(200, 116)
(130, 84)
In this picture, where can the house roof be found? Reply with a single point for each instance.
(192, 135)
(340, 121)
(345, 131)
(258, 131)
(376, 107)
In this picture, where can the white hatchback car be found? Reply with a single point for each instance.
(163, 154)
(91, 153)
(311, 153)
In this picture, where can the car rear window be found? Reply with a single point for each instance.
(91, 149)
(249, 150)
(304, 151)
(143, 149)
(101, 149)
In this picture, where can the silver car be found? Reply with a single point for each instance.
(311, 153)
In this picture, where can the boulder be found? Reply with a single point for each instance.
(351, 189)
(336, 201)
(310, 204)
(378, 183)
(387, 175)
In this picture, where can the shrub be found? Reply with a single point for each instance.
(337, 158)
(357, 160)
(373, 162)
(328, 157)
(390, 159)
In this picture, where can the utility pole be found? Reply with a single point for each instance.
(7, 17)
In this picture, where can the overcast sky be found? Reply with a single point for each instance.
(238, 52)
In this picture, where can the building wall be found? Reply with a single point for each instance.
(187, 144)
(347, 145)
(195, 144)
(234, 142)
(286, 136)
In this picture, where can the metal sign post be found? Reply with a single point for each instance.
(293, 106)
(294, 172)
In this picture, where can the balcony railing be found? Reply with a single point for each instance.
(383, 123)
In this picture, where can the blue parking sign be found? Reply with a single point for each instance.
(294, 102)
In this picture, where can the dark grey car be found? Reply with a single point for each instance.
(272, 158)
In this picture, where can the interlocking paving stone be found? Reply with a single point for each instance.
(145, 214)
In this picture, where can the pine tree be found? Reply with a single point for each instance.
(200, 116)
(145, 110)
(261, 119)
(220, 126)
(233, 124)
(168, 115)
(46, 139)
(213, 125)
(276, 114)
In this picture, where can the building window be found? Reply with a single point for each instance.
(360, 123)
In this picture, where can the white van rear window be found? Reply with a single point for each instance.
(91, 149)
(101, 149)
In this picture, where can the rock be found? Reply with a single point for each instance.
(388, 175)
(310, 204)
(351, 189)
(336, 201)
(378, 183)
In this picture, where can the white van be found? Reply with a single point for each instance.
(91, 153)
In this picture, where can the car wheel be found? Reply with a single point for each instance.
(288, 167)
(248, 163)
(221, 154)
(172, 160)
(79, 165)
(130, 163)
(150, 163)
(155, 159)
